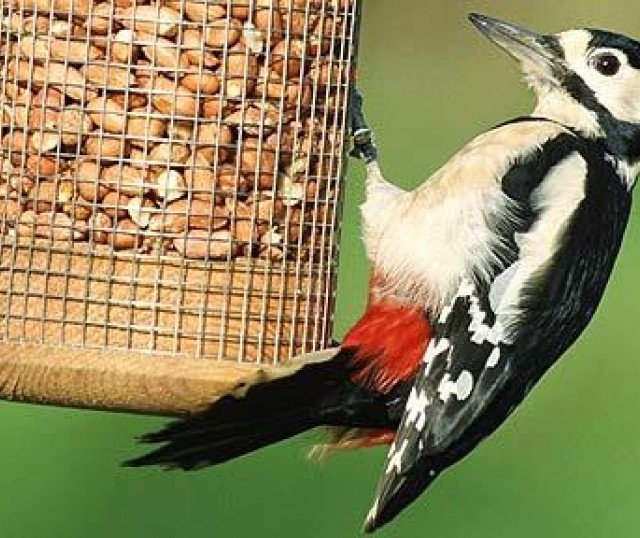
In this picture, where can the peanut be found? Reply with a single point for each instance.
(292, 193)
(162, 52)
(44, 49)
(45, 141)
(140, 211)
(253, 38)
(86, 178)
(172, 99)
(73, 124)
(193, 46)
(143, 127)
(115, 204)
(168, 153)
(199, 11)
(255, 121)
(104, 147)
(170, 185)
(78, 209)
(295, 225)
(130, 100)
(45, 195)
(65, 78)
(199, 176)
(126, 180)
(10, 210)
(155, 20)
(109, 76)
(183, 215)
(100, 17)
(271, 253)
(223, 33)
(157, 100)
(239, 9)
(49, 225)
(122, 48)
(211, 136)
(287, 59)
(241, 72)
(258, 164)
(100, 225)
(74, 7)
(203, 83)
(108, 115)
(268, 19)
(199, 244)
(230, 180)
(125, 235)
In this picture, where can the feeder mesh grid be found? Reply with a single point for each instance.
(171, 174)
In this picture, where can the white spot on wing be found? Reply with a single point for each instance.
(461, 388)
(467, 289)
(373, 513)
(435, 348)
(494, 358)
(416, 409)
(464, 385)
(444, 315)
(480, 331)
(395, 459)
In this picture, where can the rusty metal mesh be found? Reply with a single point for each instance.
(171, 173)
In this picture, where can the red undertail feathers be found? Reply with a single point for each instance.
(389, 342)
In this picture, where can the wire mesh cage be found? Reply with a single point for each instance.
(170, 188)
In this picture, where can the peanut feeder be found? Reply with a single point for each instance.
(170, 187)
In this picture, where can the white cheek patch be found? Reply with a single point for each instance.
(620, 93)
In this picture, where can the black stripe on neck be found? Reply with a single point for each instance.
(622, 138)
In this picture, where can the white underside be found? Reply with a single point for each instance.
(425, 242)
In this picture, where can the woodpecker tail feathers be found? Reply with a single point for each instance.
(259, 412)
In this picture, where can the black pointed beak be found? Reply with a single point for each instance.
(532, 49)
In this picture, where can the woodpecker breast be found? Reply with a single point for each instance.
(425, 242)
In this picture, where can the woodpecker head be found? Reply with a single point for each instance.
(586, 79)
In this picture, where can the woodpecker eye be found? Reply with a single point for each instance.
(607, 64)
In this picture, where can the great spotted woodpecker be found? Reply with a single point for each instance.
(481, 278)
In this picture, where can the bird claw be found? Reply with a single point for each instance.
(363, 146)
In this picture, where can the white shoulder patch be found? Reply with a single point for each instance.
(556, 200)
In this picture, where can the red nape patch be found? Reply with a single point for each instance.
(389, 342)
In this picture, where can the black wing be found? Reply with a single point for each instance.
(475, 372)
(465, 366)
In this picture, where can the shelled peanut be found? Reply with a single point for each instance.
(209, 130)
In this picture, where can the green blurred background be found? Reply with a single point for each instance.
(566, 464)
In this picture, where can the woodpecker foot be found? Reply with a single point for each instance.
(361, 136)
